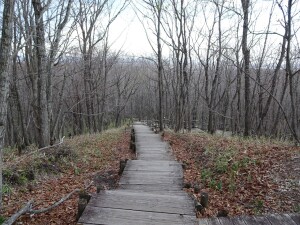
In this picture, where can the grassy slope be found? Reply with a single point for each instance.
(60, 171)
(241, 176)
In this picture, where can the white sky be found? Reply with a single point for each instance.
(128, 33)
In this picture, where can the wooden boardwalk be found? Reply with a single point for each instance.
(150, 192)
(273, 219)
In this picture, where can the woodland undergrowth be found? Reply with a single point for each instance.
(46, 176)
(241, 175)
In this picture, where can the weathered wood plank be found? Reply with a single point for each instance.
(160, 192)
(147, 201)
(261, 220)
(153, 173)
(288, 219)
(249, 220)
(238, 221)
(151, 180)
(295, 217)
(153, 167)
(203, 221)
(153, 156)
(154, 151)
(150, 187)
(154, 162)
(225, 221)
(275, 219)
(161, 156)
(214, 221)
(96, 215)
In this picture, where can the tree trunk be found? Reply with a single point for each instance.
(289, 70)
(246, 54)
(160, 68)
(43, 116)
(5, 48)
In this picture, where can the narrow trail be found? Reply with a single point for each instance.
(150, 193)
(150, 190)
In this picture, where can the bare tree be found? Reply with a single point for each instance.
(91, 30)
(246, 56)
(153, 10)
(5, 48)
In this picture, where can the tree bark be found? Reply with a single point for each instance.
(246, 54)
(43, 115)
(289, 73)
(159, 67)
(5, 48)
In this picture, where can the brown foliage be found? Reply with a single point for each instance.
(241, 176)
(96, 154)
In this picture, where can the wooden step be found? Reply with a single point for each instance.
(148, 202)
(108, 216)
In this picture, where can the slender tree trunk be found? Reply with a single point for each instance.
(246, 54)
(43, 116)
(5, 48)
(289, 69)
(263, 111)
(87, 77)
(16, 96)
(103, 97)
(160, 68)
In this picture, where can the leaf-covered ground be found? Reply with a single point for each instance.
(241, 176)
(61, 170)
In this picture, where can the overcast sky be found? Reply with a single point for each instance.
(128, 33)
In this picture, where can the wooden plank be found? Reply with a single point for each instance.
(149, 166)
(214, 221)
(225, 221)
(147, 202)
(154, 168)
(295, 217)
(261, 220)
(156, 151)
(160, 192)
(288, 219)
(276, 219)
(85, 224)
(153, 173)
(154, 162)
(249, 220)
(153, 156)
(203, 222)
(150, 188)
(152, 180)
(238, 220)
(108, 216)
(146, 147)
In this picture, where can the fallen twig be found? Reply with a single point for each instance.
(28, 207)
(22, 211)
(66, 197)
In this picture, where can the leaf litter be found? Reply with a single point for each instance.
(91, 156)
(241, 176)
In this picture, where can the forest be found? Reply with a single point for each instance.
(214, 65)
